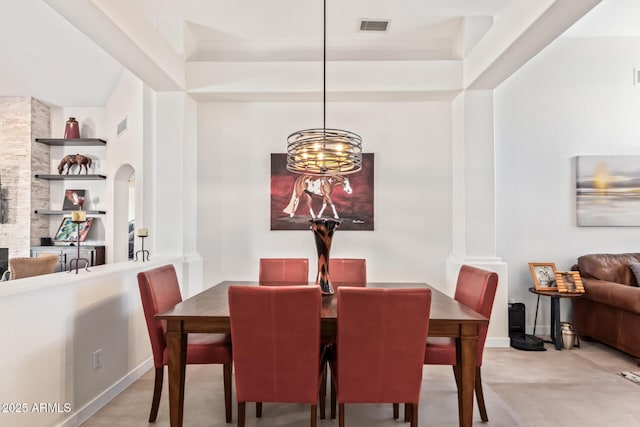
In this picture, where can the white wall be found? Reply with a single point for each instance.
(576, 98)
(124, 150)
(412, 146)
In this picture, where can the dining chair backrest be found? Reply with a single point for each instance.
(351, 271)
(22, 267)
(159, 291)
(283, 271)
(381, 340)
(275, 331)
(476, 288)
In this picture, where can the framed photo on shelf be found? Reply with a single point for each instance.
(73, 200)
(544, 276)
(67, 230)
(569, 282)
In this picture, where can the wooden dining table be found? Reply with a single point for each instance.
(208, 312)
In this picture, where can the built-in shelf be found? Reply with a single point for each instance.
(48, 212)
(72, 142)
(81, 177)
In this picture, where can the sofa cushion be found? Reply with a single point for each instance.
(609, 267)
(615, 295)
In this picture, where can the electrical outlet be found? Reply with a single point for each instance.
(97, 359)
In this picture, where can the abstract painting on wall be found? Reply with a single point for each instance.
(296, 198)
(608, 191)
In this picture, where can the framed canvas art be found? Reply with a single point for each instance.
(608, 191)
(296, 198)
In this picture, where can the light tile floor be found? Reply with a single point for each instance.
(579, 387)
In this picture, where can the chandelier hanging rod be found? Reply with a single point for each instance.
(324, 152)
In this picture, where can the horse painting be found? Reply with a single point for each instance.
(75, 159)
(319, 187)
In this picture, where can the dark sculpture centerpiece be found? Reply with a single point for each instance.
(323, 229)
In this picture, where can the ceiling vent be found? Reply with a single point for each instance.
(374, 25)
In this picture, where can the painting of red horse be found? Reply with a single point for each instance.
(296, 198)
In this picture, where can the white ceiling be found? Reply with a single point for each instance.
(292, 29)
(71, 53)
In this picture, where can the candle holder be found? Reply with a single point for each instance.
(142, 235)
(78, 259)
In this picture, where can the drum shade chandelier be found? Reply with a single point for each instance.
(324, 152)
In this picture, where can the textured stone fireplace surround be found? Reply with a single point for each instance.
(22, 119)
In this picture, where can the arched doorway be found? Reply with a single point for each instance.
(124, 208)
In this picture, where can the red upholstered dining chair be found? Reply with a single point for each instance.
(283, 271)
(476, 288)
(276, 340)
(160, 291)
(381, 341)
(348, 271)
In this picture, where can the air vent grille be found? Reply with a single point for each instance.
(374, 25)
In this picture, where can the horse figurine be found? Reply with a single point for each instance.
(75, 159)
(316, 186)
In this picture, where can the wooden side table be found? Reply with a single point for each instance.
(556, 334)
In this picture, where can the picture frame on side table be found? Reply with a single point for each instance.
(569, 282)
(544, 276)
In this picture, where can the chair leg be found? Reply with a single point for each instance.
(408, 414)
(314, 415)
(157, 392)
(396, 411)
(226, 370)
(457, 374)
(480, 397)
(341, 415)
(258, 409)
(241, 411)
(333, 399)
(414, 414)
(323, 393)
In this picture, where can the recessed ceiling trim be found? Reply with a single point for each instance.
(374, 25)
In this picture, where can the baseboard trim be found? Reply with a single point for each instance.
(497, 342)
(90, 409)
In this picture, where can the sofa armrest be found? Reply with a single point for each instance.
(616, 295)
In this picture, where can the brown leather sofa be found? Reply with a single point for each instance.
(610, 309)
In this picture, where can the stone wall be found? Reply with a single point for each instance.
(40, 163)
(22, 119)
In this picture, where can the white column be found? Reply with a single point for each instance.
(175, 184)
(474, 228)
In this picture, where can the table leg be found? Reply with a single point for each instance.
(575, 327)
(466, 360)
(556, 334)
(177, 356)
(535, 321)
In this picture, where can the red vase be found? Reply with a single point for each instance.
(72, 130)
